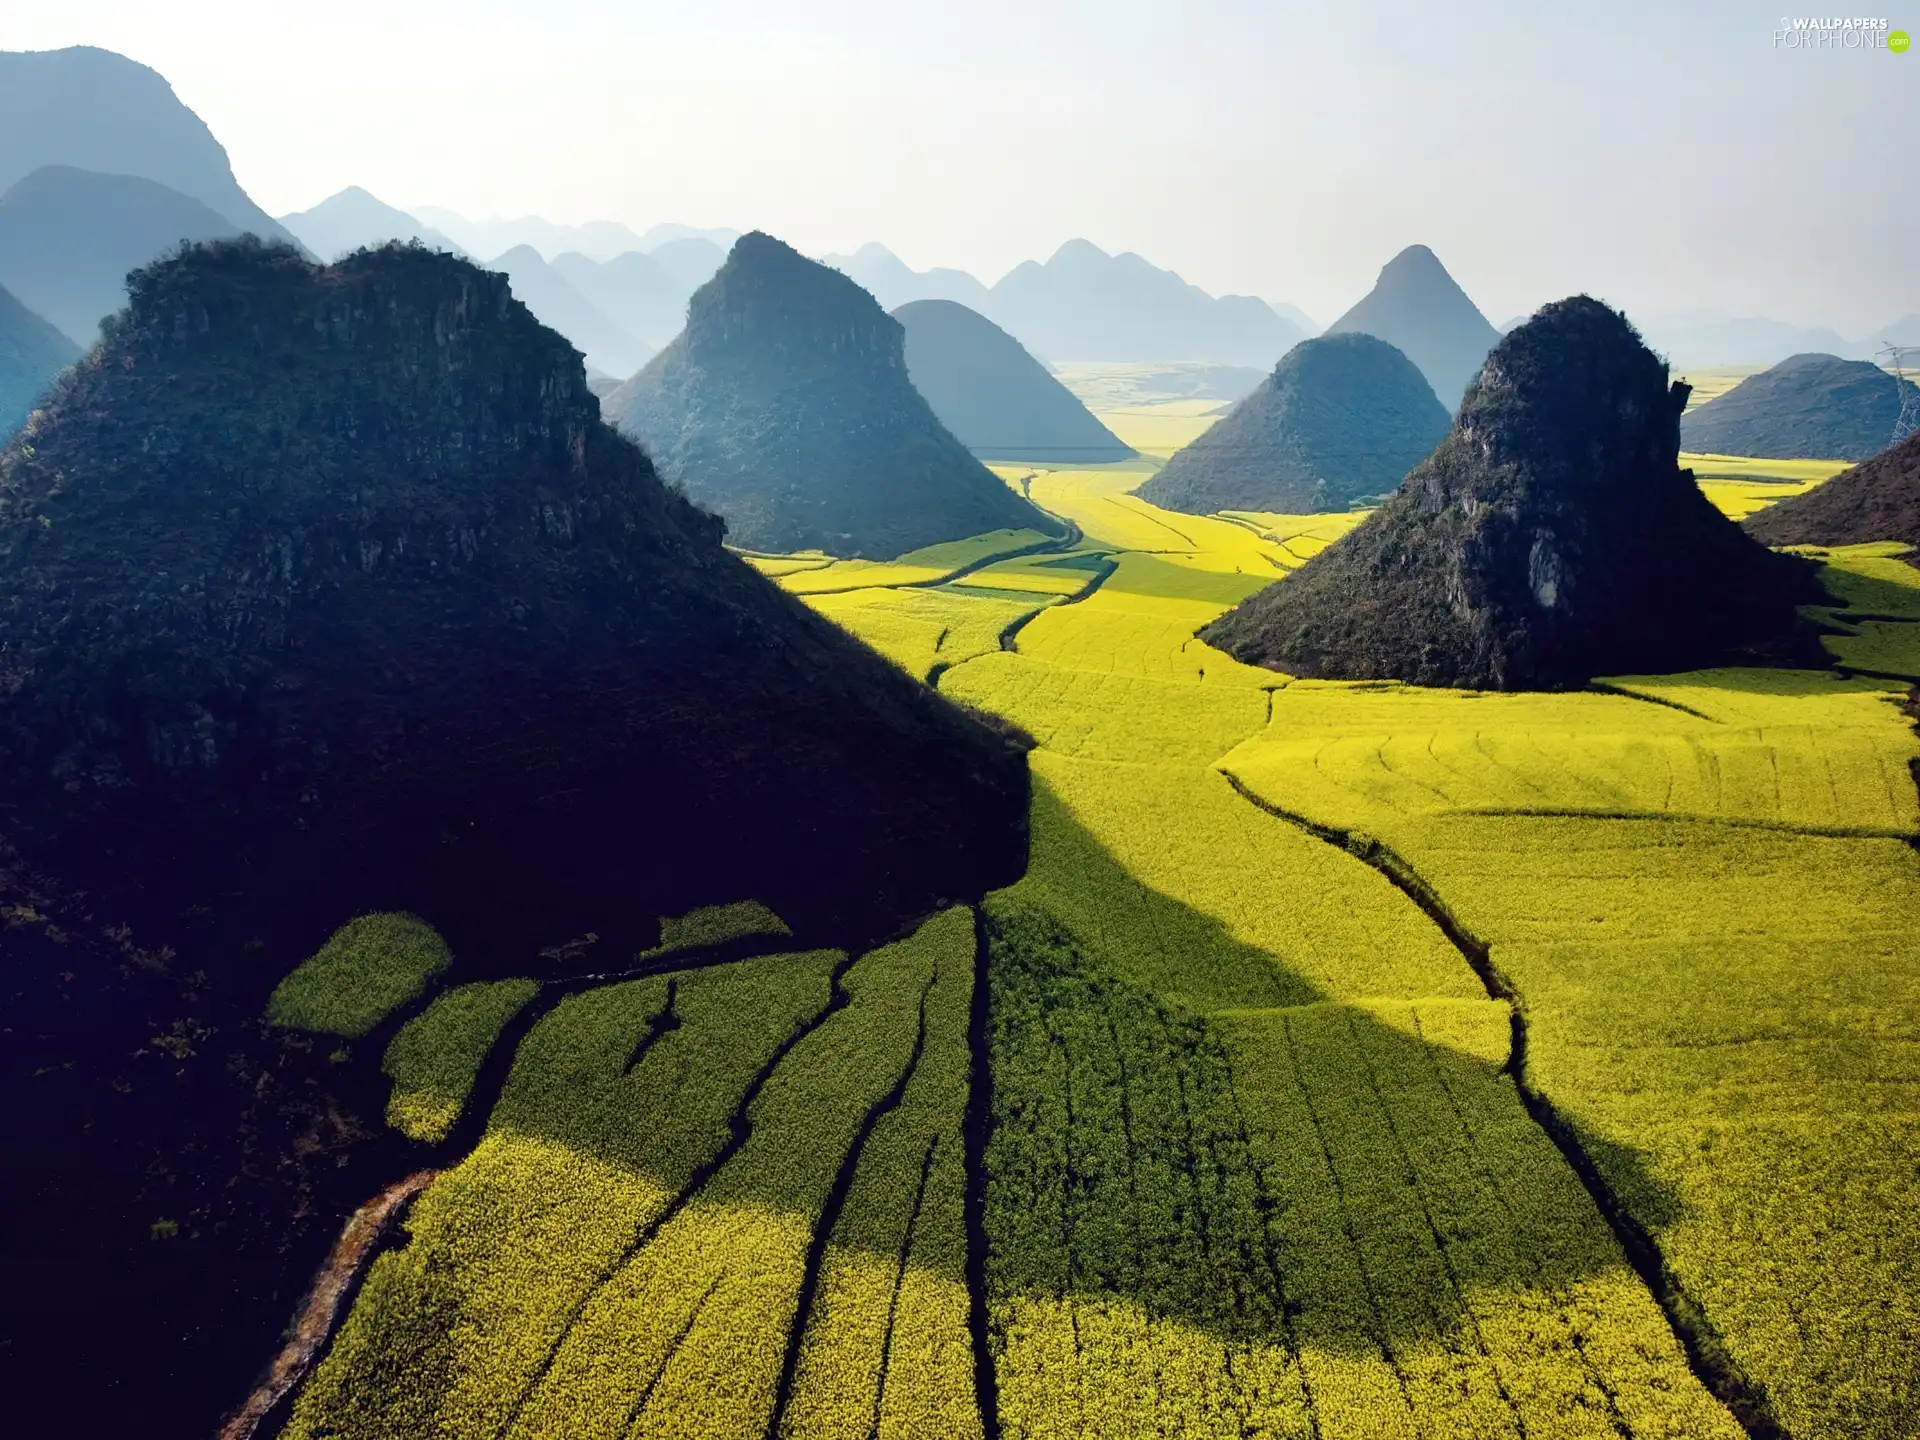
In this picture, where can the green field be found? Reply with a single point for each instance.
(1360, 1061)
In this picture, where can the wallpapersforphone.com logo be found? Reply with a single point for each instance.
(1839, 33)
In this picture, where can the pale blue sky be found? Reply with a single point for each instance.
(1666, 156)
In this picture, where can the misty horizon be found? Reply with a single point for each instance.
(1668, 168)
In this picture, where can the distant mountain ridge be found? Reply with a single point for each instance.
(596, 239)
(92, 109)
(32, 352)
(886, 277)
(1419, 309)
(785, 406)
(555, 302)
(353, 220)
(68, 238)
(1084, 304)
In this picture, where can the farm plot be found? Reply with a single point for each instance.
(1103, 505)
(678, 1165)
(917, 567)
(1140, 621)
(1326, 1219)
(921, 629)
(1719, 971)
(1256, 1167)
(370, 967)
(437, 1055)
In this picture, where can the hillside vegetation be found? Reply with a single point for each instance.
(1816, 407)
(1341, 420)
(1877, 500)
(1340, 1066)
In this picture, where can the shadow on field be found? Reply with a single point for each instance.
(1182, 1131)
(1291, 1172)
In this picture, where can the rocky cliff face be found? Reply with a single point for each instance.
(346, 556)
(785, 405)
(1551, 537)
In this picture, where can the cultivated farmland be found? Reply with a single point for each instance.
(1353, 1060)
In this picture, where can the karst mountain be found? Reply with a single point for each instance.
(1878, 499)
(1342, 418)
(785, 406)
(1418, 308)
(92, 109)
(1550, 538)
(68, 238)
(1812, 407)
(32, 352)
(340, 565)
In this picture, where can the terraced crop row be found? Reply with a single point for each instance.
(1719, 966)
(1328, 1219)
(676, 1166)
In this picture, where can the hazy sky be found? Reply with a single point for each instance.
(1665, 156)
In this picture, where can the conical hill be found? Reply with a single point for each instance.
(785, 406)
(332, 579)
(1551, 537)
(1341, 418)
(1420, 309)
(1809, 407)
(998, 401)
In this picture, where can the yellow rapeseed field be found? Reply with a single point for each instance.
(1363, 1061)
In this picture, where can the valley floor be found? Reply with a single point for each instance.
(1353, 1061)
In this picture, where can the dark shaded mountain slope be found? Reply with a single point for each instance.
(1878, 499)
(1551, 537)
(95, 110)
(327, 591)
(1341, 418)
(346, 554)
(785, 406)
(69, 237)
(998, 401)
(1809, 407)
(1419, 309)
(32, 352)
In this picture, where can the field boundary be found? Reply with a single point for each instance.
(1706, 1352)
(829, 1220)
(975, 1123)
